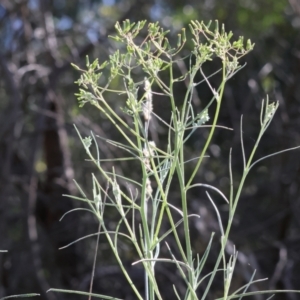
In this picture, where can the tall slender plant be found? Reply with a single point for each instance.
(149, 51)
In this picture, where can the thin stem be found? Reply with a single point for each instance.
(211, 133)
(234, 206)
(96, 249)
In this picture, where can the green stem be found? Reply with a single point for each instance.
(171, 173)
(213, 127)
(232, 211)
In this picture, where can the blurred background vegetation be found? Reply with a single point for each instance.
(40, 153)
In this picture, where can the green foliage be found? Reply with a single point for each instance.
(146, 51)
(20, 296)
(257, 9)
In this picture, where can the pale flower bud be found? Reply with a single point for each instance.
(147, 107)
